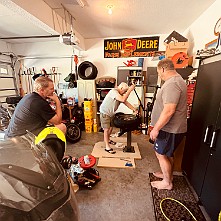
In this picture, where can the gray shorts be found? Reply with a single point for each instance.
(106, 121)
(166, 143)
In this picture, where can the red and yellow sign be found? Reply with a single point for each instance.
(131, 47)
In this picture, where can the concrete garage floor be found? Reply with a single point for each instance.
(122, 194)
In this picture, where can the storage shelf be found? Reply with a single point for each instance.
(130, 68)
(104, 88)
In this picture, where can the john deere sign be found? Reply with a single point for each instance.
(131, 47)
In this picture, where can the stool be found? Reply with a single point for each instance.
(87, 166)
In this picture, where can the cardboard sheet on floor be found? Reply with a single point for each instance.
(119, 139)
(116, 162)
(99, 151)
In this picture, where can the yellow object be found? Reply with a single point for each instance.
(50, 131)
(88, 121)
(88, 128)
(87, 106)
(95, 128)
(194, 218)
(88, 115)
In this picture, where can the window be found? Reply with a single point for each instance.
(3, 69)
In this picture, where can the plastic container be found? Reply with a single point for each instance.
(86, 159)
(88, 115)
(95, 128)
(88, 106)
(88, 128)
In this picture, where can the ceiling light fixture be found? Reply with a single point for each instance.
(110, 7)
(81, 3)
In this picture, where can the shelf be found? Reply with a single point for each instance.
(104, 88)
(130, 68)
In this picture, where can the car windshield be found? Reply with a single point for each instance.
(28, 172)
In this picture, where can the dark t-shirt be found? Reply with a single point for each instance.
(32, 113)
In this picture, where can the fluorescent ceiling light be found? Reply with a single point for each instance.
(81, 3)
(110, 8)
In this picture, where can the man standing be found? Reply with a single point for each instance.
(108, 107)
(169, 121)
(33, 112)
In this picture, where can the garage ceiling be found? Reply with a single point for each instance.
(129, 17)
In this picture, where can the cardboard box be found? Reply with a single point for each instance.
(176, 45)
(175, 36)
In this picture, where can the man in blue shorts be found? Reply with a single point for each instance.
(169, 121)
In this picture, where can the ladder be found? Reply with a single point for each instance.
(8, 80)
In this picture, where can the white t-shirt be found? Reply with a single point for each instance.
(110, 103)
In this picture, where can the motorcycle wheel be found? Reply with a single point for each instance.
(73, 134)
(127, 122)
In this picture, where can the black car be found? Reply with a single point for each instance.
(33, 184)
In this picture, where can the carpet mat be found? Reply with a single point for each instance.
(172, 209)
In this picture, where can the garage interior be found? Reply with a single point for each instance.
(77, 43)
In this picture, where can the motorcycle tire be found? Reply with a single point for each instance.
(73, 134)
(82, 70)
(128, 122)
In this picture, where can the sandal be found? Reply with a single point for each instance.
(112, 142)
(111, 151)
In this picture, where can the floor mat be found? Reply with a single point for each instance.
(174, 211)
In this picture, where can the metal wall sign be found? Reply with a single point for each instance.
(131, 47)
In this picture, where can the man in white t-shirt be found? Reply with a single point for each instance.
(108, 107)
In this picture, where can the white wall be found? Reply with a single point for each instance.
(47, 55)
(94, 53)
(202, 30)
(108, 66)
(44, 55)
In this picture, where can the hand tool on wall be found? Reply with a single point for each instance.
(53, 74)
(26, 81)
(30, 78)
(21, 91)
(76, 67)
